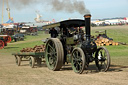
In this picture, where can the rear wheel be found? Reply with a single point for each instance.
(102, 59)
(54, 54)
(1, 44)
(78, 60)
(7, 39)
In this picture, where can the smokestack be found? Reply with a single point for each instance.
(87, 26)
(88, 46)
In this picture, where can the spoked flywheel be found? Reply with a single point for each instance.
(1, 44)
(54, 54)
(78, 60)
(102, 59)
(7, 39)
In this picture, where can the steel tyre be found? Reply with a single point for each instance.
(54, 54)
(32, 61)
(102, 59)
(18, 60)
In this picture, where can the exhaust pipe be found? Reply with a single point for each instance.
(88, 26)
(88, 45)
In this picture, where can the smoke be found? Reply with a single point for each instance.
(22, 4)
(69, 6)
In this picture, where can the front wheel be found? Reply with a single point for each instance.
(78, 60)
(102, 59)
(18, 60)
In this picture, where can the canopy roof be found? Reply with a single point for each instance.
(66, 23)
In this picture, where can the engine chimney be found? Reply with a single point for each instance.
(87, 26)
(88, 46)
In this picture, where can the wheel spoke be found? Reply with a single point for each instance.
(51, 48)
(77, 67)
(53, 51)
(80, 64)
(49, 54)
(74, 56)
(52, 60)
(78, 60)
(77, 54)
(105, 65)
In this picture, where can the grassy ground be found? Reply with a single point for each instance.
(11, 74)
(30, 41)
(119, 54)
(118, 33)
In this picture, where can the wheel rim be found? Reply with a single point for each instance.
(54, 54)
(1, 44)
(78, 60)
(102, 59)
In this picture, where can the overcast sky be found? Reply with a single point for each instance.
(24, 10)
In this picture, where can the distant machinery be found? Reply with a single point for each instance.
(2, 11)
(8, 10)
(9, 16)
(38, 18)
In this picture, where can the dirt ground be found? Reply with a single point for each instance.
(11, 74)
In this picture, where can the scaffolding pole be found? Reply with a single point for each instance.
(2, 11)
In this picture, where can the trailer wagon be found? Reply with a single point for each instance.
(32, 57)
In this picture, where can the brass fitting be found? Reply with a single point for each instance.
(87, 16)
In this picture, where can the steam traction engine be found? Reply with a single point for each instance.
(4, 39)
(75, 48)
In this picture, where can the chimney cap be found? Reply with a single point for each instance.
(87, 16)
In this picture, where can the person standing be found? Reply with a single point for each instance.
(53, 33)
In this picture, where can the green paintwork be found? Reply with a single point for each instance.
(70, 40)
(29, 54)
(1, 38)
(68, 58)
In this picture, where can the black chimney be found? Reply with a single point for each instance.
(87, 26)
(88, 46)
